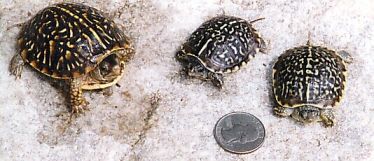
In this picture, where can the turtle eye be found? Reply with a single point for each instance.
(104, 67)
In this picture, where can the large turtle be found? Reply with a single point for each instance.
(76, 43)
(310, 81)
(221, 45)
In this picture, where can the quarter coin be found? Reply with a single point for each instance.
(239, 132)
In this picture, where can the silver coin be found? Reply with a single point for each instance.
(239, 132)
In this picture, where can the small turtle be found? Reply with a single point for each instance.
(310, 81)
(221, 45)
(73, 42)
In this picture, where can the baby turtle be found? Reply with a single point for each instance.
(76, 43)
(309, 80)
(221, 45)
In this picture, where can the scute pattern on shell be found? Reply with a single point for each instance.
(224, 43)
(309, 75)
(67, 40)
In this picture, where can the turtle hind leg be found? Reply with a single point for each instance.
(16, 66)
(347, 58)
(77, 102)
(327, 118)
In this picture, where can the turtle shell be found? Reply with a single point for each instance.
(69, 40)
(223, 44)
(309, 75)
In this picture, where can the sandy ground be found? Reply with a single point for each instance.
(158, 115)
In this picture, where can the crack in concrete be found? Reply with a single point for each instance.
(154, 99)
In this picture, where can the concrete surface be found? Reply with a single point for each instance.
(158, 115)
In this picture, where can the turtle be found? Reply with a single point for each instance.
(220, 45)
(74, 43)
(309, 82)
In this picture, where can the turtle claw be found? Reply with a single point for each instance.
(328, 123)
(327, 118)
(17, 71)
(80, 109)
(280, 111)
(107, 91)
(347, 58)
(262, 45)
(217, 80)
(16, 66)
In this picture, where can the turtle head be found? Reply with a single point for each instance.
(199, 71)
(306, 114)
(108, 71)
(111, 66)
(195, 69)
(191, 64)
(194, 66)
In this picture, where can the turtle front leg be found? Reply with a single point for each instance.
(280, 111)
(217, 79)
(108, 91)
(327, 117)
(77, 102)
(16, 66)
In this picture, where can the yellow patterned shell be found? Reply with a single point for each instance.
(311, 75)
(69, 40)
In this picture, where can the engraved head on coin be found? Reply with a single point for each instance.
(239, 132)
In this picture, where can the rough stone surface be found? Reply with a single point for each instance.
(158, 115)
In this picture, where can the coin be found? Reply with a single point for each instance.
(239, 132)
